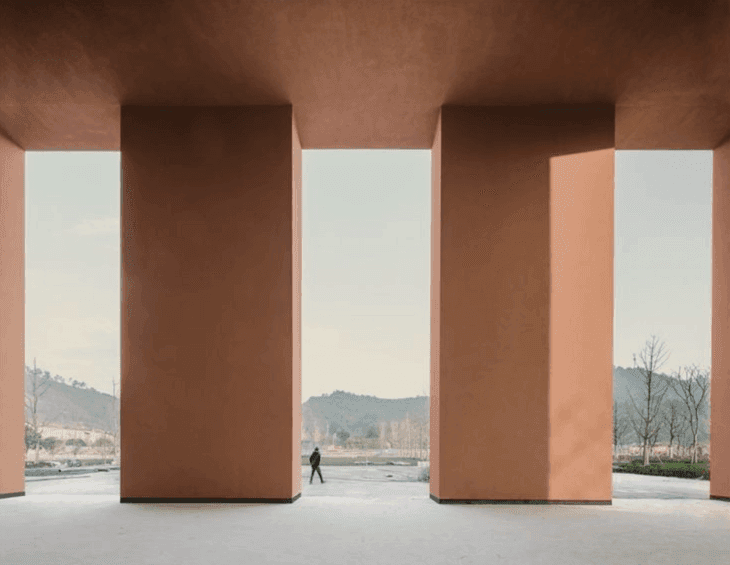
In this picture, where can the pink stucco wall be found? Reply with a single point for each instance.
(720, 386)
(580, 392)
(210, 275)
(12, 317)
(500, 437)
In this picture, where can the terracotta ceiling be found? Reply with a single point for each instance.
(365, 73)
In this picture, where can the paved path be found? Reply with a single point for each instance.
(626, 485)
(379, 482)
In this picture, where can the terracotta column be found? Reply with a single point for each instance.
(720, 369)
(12, 319)
(211, 271)
(522, 305)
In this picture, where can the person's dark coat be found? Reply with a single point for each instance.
(314, 459)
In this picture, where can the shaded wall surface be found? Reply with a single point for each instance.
(364, 74)
(296, 291)
(12, 318)
(720, 386)
(435, 357)
(513, 245)
(210, 315)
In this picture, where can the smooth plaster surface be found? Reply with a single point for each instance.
(720, 385)
(513, 246)
(12, 317)
(363, 74)
(296, 289)
(435, 306)
(211, 262)
(580, 391)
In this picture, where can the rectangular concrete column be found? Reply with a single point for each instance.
(720, 369)
(12, 319)
(522, 305)
(211, 271)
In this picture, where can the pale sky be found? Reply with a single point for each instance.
(663, 254)
(366, 239)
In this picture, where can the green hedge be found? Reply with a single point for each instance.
(680, 469)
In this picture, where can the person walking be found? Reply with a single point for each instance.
(314, 460)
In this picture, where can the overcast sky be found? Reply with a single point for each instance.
(366, 231)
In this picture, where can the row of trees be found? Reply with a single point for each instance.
(410, 434)
(650, 413)
(52, 445)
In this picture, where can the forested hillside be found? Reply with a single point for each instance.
(68, 402)
(71, 404)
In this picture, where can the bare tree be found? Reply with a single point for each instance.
(38, 385)
(426, 427)
(621, 425)
(654, 438)
(675, 422)
(692, 385)
(115, 421)
(404, 435)
(77, 445)
(646, 414)
(52, 445)
(383, 432)
(416, 427)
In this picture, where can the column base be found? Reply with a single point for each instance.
(12, 494)
(722, 498)
(133, 499)
(470, 501)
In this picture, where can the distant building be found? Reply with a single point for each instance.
(63, 434)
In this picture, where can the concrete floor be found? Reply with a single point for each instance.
(374, 482)
(361, 516)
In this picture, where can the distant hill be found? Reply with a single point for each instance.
(69, 405)
(357, 413)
